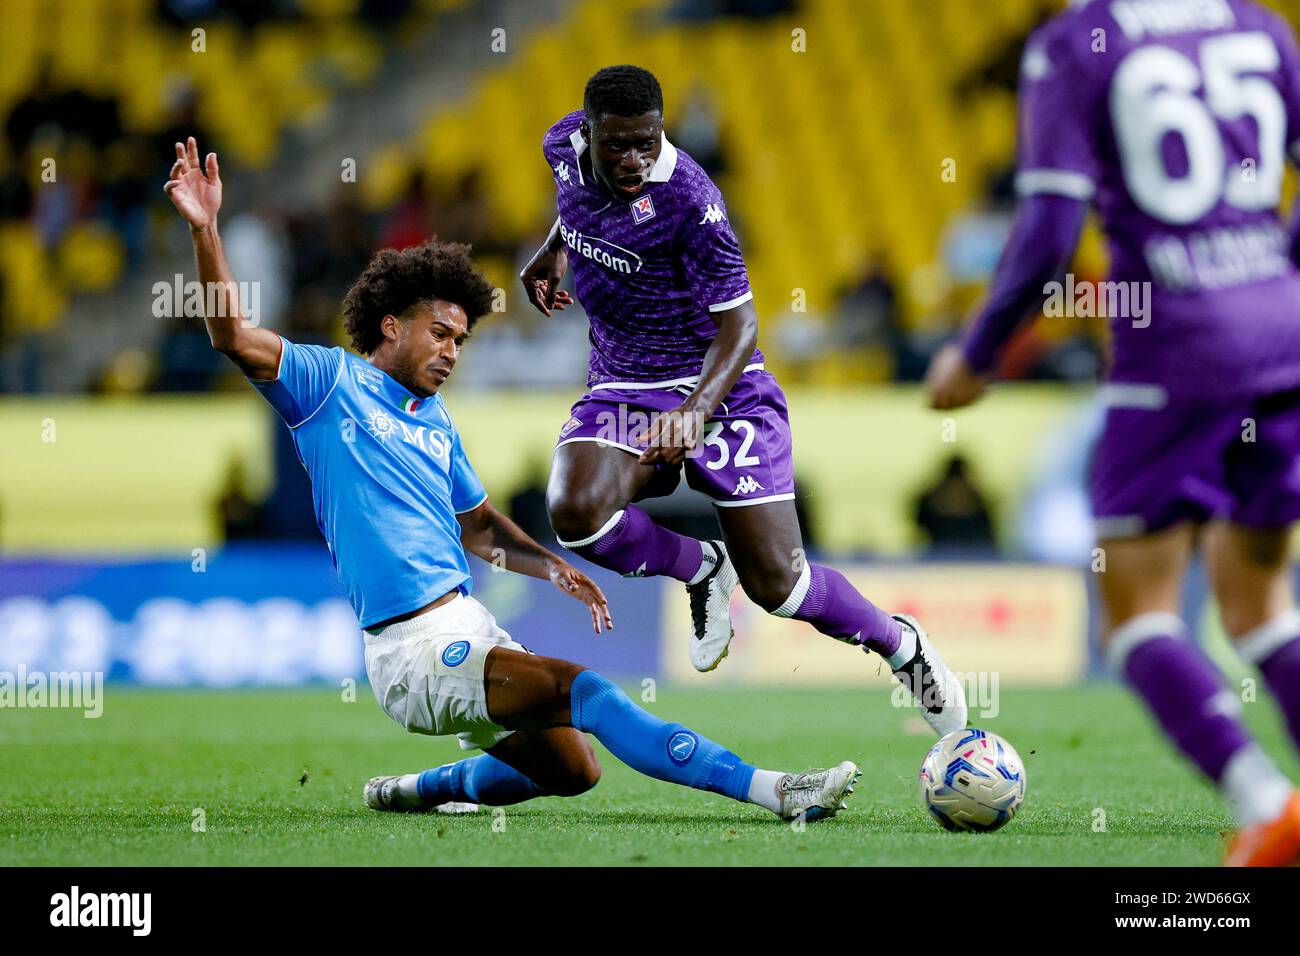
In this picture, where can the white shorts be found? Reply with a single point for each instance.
(427, 673)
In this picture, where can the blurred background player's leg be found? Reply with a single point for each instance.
(1147, 644)
(1250, 572)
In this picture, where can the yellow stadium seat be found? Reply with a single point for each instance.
(90, 258)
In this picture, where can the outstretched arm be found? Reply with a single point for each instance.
(1042, 240)
(499, 541)
(195, 191)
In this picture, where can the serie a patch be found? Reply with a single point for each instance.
(569, 426)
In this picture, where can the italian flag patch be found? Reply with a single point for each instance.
(410, 405)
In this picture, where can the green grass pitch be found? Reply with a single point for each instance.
(278, 776)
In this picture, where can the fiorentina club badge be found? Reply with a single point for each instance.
(642, 210)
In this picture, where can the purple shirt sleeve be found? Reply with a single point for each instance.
(710, 253)
(1056, 175)
(1057, 138)
(1042, 239)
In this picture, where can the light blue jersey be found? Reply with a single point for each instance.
(388, 477)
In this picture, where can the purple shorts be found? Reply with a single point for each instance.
(743, 459)
(1161, 461)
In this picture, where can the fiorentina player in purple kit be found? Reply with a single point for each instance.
(1174, 118)
(673, 334)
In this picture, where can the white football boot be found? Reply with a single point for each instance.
(711, 608)
(817, 794)
(398, 795)
(942, 698)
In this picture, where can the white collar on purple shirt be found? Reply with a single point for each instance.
(660, 172)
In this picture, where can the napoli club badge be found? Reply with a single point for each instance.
(643, 209)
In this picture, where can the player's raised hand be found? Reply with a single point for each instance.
(541, 279)
(195, 190)
(577, 585)
(951, 382)
(670, 436)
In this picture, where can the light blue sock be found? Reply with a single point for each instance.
(652, 746)
(482, 779)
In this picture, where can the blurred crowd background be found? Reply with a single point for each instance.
(819, 119)
(865, 148)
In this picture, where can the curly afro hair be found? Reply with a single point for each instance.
(622, 91)
(396, 279)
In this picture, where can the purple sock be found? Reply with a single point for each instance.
(634, 546)
(1282, 672)
(1275, 648)
(825, 599)
(1182, 689)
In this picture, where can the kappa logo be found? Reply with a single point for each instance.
(681, 746)
(562, 171)
(747, 486)
(713, 213)
(643, 209)
(456, 653)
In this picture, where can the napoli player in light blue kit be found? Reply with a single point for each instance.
(399, 505)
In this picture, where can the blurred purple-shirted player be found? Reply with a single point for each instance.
(676, 383)
(1175, 120)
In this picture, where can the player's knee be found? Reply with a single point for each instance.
(768, 587)
(577, 779)
(562, 674)
(576, 514)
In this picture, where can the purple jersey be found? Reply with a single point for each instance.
(650, 269)
(1176, 118)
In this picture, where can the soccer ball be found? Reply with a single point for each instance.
(972, 780)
